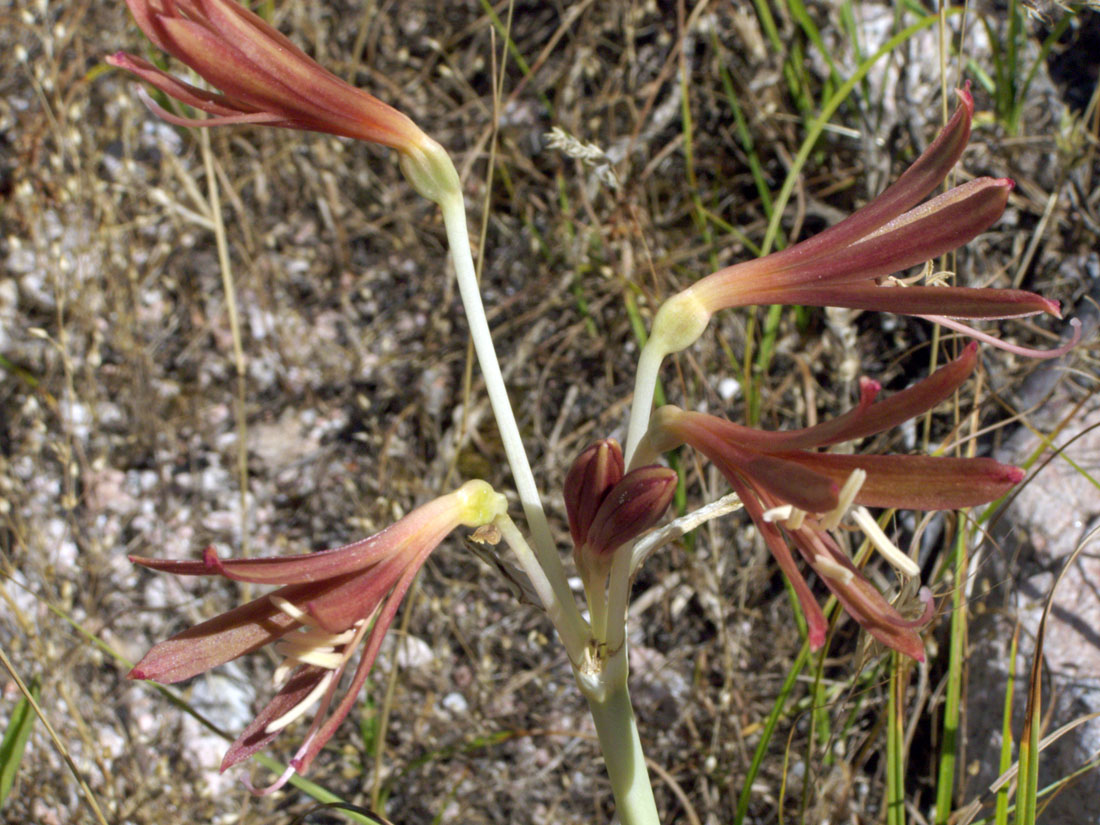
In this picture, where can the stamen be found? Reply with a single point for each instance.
(832, 570)
(320, 637)
(300, 708)
(289, 609)
(882, 543)
(780, 513)
(844, 500)
(283, 671)
(319, 656)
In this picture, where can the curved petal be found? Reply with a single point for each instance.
(948, 301)
(860, 599)
(722, 442)
(210, 102)
(321, 734)
(427, 525)
(255, 737)
(736, 285)
(869, 419)
(946, 222)
(915, 183)
(276, 55)
(918, 482)
(217, 640)
(631, 507)
(781, 552)
(594, 472)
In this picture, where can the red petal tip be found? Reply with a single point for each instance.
(965, 98)
(1008, 183)
(136, 674)
(120, 60)
(971, 348)
(1013, 475)
(210, 559)
(817, 637)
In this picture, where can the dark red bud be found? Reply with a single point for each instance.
(599, 468)
(633, 506)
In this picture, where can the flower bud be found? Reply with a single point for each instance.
(632, 507)
(599, 468)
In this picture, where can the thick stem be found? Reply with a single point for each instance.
(609, 701)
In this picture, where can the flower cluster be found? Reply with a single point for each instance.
(329, 604)
(796, 496)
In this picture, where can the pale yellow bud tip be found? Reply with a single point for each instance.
(429, 169)
(679, 323)
(479, 503)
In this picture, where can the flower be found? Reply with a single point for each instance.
(607, 509)
(327, 604)
(794, 494)
(848, 264)
(263, 77)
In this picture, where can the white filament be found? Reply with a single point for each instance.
(882, 543)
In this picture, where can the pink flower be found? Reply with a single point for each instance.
(263, 77)
(795, 495)
(848, 264)
(327, 603)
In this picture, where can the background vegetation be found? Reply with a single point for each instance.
(142, 411)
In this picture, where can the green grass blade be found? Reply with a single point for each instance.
(895, 745)
(1000, 816)
(513, 50)
(769, 730)
(945, 780)
(15, 740)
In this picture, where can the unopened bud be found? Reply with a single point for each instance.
(596, 470)
(632, 507)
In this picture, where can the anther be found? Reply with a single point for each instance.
(844, 499)
(882, 543)
(787, 514)
(300, 708)
(780, 513)
(324, 657)
(832, 569)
